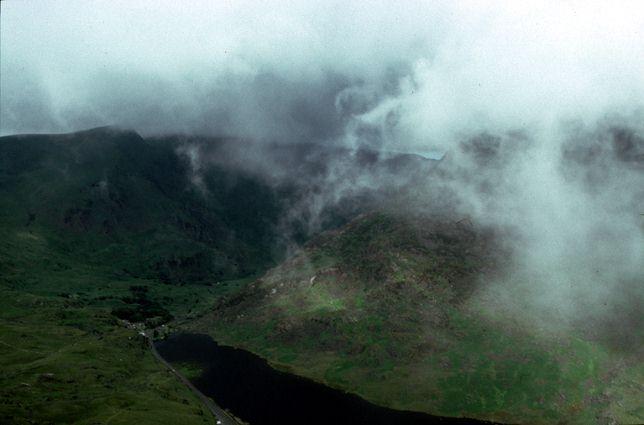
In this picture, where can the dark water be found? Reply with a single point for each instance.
(246, 385)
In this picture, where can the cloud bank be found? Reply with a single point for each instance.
(428, 71)
(539, 105)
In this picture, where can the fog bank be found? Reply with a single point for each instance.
(538, 105)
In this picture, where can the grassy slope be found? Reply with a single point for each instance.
(110, 197)
(84, 218)
(101, 373)
(102, 221)
(387, 316)
(56, 320)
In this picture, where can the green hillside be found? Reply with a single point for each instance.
(104, 225)
(384, 308)
(107, 196)
(100, 226)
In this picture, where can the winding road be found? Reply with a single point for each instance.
(220, 414)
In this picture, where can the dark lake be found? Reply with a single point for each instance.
(247, 386)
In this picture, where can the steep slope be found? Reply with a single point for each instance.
(103, 224)
(384, 307)
(99, 224)
(151, 209)
(109, 197)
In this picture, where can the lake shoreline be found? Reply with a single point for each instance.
(253, 390)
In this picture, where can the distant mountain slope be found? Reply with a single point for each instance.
(111, 197)
(143, 206)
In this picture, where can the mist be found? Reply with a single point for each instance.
(538, 109)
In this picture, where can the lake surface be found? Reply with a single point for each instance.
(247, 386)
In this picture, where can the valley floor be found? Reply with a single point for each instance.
(67, 359)
(63, 363)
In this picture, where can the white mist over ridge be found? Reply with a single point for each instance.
(539, 106)
(291, 69)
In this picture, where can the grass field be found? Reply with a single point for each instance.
(63, 363)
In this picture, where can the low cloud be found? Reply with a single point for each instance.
(537, 106)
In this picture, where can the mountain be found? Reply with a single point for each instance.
(110, 197)
(387, 307)
(314, 256)
(102, 225)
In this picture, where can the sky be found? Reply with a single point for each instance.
(555, 87)
(310, 70)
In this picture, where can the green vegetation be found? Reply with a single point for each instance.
(189, 370)
(109, 197)
(383, 308)
(64, 363)
(65, 356)
(101, 226)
